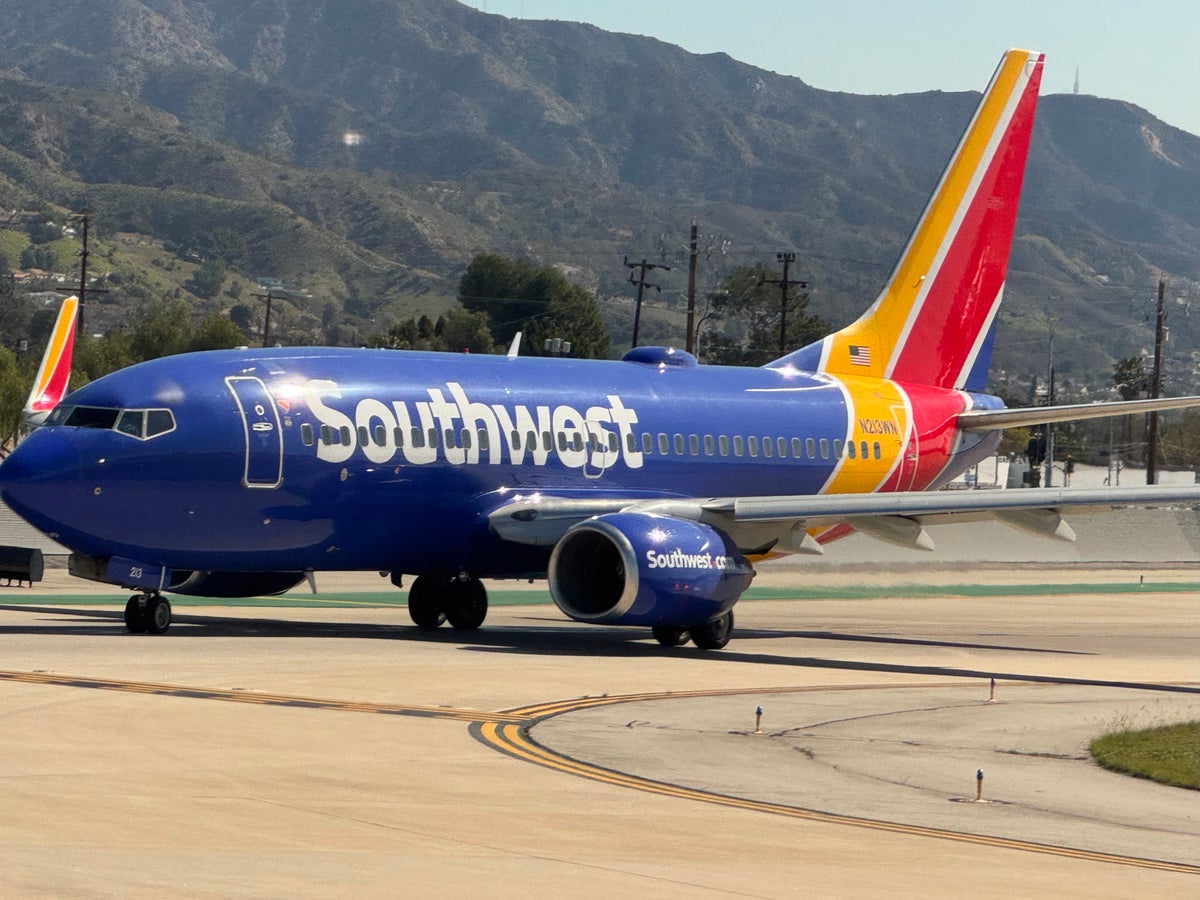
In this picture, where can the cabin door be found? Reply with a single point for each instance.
(264, 434)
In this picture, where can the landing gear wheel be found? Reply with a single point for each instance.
(715, 633)
(466, 604)
(670, 636)
(424, 604)
(135, 615)
(158, 614)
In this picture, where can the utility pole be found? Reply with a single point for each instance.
(787, 259)
(1155, 389)
(83, 291)
(641, 283)
(691, 297)
(268, 296)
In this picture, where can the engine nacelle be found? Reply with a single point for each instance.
(235, 584)
(633, 568)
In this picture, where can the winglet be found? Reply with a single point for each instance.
(54, 374)
(933, 322)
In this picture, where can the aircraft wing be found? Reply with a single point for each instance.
(761, 524)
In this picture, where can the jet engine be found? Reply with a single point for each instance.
(632, 568)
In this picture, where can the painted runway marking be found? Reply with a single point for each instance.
(514, 740)
(262, 699)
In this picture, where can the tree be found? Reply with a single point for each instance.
(458, 331)
(749, 311)
(516, 295)
(1131, 379)
(206, 281)
(215, 332)
(13, 390)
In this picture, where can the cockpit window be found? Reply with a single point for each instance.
(131, 422)
(159, 421)
(91, 417)
(142, 424)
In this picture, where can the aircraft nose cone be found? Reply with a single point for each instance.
(38, 479)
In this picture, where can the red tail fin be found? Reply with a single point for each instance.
(932, 323)
(54, 375)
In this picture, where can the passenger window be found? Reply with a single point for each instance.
(398, 435)
(130, 423)
(418, 437)
(824, 448)
(781, 444)
(364, 437)
(752, 443)
(810, 448)
(433, 437)
(850, 449)
(693, 445)
(326, 435)
(738, 445)
(380, 435)
(515, 439)
(547, 441)
(664, 444)
(723, 444)
(306, 434)
(345, 432)
(768, 447)
(709, 449)
(562, 441)
(797, 448)
(485, 440)
(466, 438)
(530, 440)
(631, 442)
(647, 443)
(614, 445)
(449, 445)
(878, 454)
(863, 446)
(577, 442)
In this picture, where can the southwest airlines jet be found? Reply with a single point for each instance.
(642, 489)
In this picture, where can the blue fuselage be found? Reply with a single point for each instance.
(355, 459)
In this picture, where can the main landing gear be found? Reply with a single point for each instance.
(712, 635)
(460, 600)
(148, 613)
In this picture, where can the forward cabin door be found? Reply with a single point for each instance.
(264, 434)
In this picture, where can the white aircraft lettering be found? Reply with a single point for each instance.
(495, 431)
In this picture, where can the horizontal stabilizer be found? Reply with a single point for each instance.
(993, 419)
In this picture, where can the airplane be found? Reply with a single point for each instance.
(54, 373)
(644, 489)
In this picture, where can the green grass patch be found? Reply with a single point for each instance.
(500, 597)
(1168, 754)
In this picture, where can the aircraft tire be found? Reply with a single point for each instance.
(670, 636)
(713, 634)
(158, 614)
(466, 604)
(135, 615)
(424, 604)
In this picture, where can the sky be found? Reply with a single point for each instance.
(1146, 52)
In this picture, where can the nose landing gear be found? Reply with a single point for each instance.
(148, 613)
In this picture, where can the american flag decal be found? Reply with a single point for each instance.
(860, 355)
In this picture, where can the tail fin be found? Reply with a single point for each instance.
(50, 386)
(933, 323)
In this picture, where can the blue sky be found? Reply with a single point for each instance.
(1143, 51)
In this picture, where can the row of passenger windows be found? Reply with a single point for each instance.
(650, 445)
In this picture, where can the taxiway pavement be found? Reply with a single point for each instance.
(199, 763)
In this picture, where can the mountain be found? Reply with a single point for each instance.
(365, 149)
